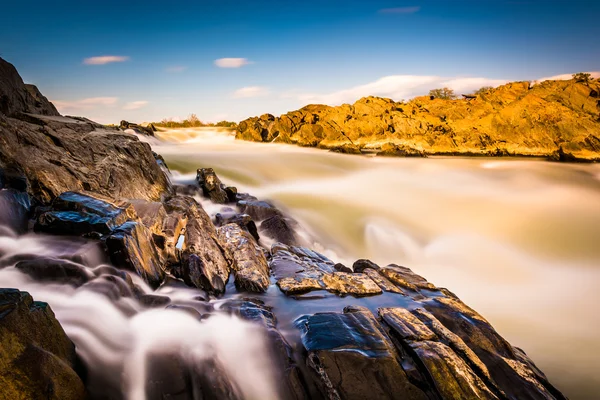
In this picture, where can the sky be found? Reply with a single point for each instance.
(148, 60)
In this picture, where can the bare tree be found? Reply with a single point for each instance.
(444, 94)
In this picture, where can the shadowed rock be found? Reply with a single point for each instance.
(278, 228)
(244, 221)
(258, 210)
(211, 185)
(54, 270)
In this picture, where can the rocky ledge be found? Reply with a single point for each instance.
(388, 334)
(557, 120)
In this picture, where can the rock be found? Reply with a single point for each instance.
(511, 119)
(405, 278)
(382, 281)
(211, 185)
(278, 228)
(250, 265)
(38, 359)
(351, 358)
(342, 268)
(17, 97)
(204, 261)
(349, 283)
(291, 286)
(55, 270)
(244, 221)
(231, 193)
(153, 300)
(130, 246)
(15, 207)
(360, 265)
(258, 210)
(144, 130)
(298, 262)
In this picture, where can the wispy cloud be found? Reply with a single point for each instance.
(231, 62)
(135, 105)
(85, 104)
(398, 87)
(101, 60)
(565, 77)
(250, 91)
(400, 10)
(176, 69)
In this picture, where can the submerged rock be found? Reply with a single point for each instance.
(250, 265)
(55, 270)
(38, 358)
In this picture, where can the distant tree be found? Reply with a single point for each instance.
(582, 77)
(193, 120)
(226, 124)
(444, 94)
(483, 90)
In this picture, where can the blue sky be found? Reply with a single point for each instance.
(286, 53)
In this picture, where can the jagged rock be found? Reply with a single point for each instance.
(512, 119)
(258, 210)
(55, 270)
(382, 281)
(291, 286)
(351, 358)
(360, 265)
(278, 228)
(37, 356)
(204, 261)
(130, 246)
(144, 130)
(211, 185)
(349, 283)
(405, 278)
(244, 221)
(15, 207)
(231, 193)
(298, 262)
(250, 265)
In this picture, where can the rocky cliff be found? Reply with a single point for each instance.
(73, 178)
(555, 119)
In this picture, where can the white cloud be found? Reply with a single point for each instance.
(135, 105)
(399, 87)
(101, 60)
(565, 77)
(176, 69)
(400, 10)
(85, 104)
(250, 91)
(231, 62)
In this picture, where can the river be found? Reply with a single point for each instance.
(516, 239)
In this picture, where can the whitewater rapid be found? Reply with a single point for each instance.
(515, 239)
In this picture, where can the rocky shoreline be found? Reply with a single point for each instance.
(392, 335)
(554, 120)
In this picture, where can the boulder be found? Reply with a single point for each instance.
(244, 221)
(405, 278)
(250, 265)
(211, 185)
(277, 227)
(55, 270)
(258, 210)
(38, 359)
(342, 268)
(351, 357)
(360, 265)
(15, 207)
(291, 286)
(350, 283)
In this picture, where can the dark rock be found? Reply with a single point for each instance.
(55, 270)
(250, 265)
(231, 193)
(130, 246)
(13, 179)
(394, 150)
(244, 221)
(153, 300)
(346, 149)
(258, 210)
(144, 130)
(279, 229)
(38, 359)
(15, 207)
(351, 358)
(211, 185)
(360, 265)
(342, 268)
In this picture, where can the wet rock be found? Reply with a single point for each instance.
(250, 265)
(244, 221)
(204, 262)
(382, 281)
(130, 246)
(342, 268)
(153, 300)
(55, 270)
(394, 150)
(15, 207)
(350, 283)
(258, 210)
(278, 228)
(346, 148)
(211, 185)
(405, 278)
(231, 193)
(152, 214)
(360, 265)
(137, 128)
(38, 359)
(351, 358)
(291, 286)
(298, 262)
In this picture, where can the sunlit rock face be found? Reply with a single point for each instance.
(555, 119)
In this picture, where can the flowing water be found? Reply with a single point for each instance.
(516, 239)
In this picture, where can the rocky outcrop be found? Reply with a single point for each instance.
(37, 357)
(559, 120)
